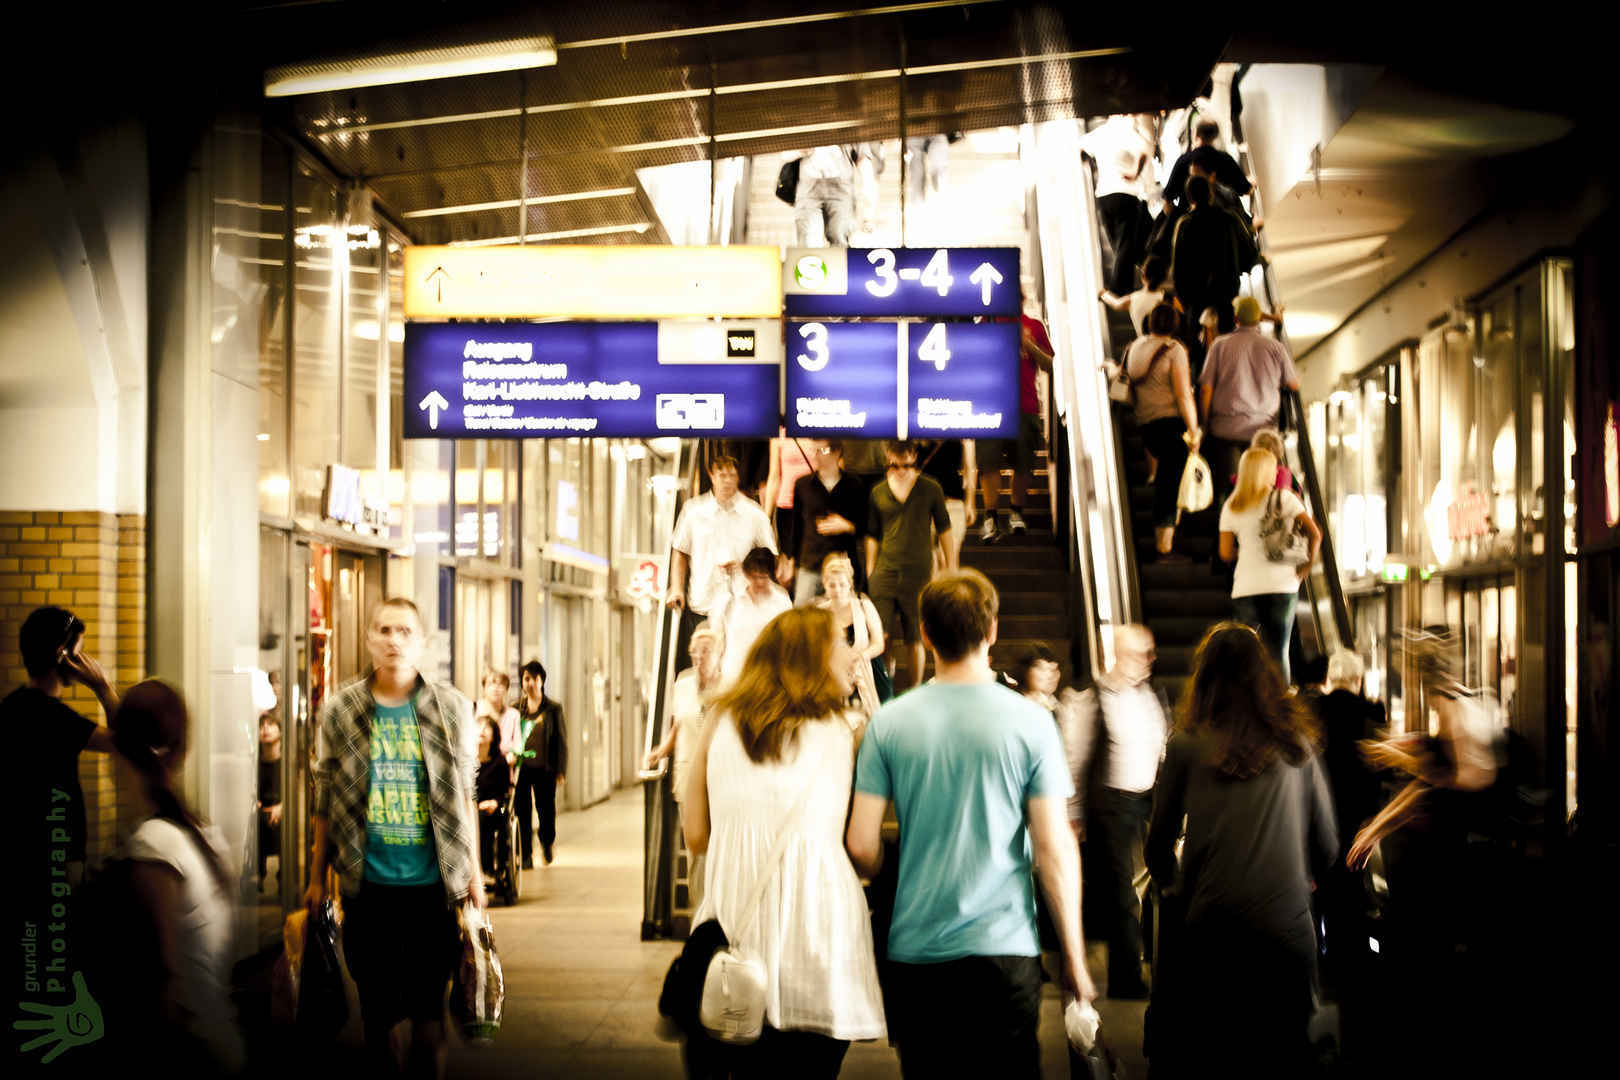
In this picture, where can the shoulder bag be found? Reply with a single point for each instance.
(732, 1008)
(1285, 539)
(787, 182)
(1122, 388)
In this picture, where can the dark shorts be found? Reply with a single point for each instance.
(899, 594)
(402, 944)
(973, 1016)
(994, 455)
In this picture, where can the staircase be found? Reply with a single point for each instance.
(1030, 573)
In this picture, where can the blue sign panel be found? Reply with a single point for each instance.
(909, 380)
(940, 282)
(962, 381)
(543, 380)
(843, 379)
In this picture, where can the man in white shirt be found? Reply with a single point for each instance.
(748, 612)
(827, 178)
(1114, 739)
(715, 531)
(1123, 153)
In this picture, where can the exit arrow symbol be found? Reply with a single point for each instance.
(984, 277)
(442, 275)
(433, 403)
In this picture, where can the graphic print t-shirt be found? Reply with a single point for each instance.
(399, 834)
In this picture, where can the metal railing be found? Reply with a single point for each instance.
(1324, 589)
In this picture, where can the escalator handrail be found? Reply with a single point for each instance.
(1293, 403)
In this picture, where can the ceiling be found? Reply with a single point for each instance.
(646, 84)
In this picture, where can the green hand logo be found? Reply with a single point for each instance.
(68, 1025)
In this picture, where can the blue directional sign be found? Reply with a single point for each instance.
(618, 380)
(843, 380)
(962, 381)
(926, 282)
(907, 380)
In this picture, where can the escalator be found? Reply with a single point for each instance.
(1111, 496)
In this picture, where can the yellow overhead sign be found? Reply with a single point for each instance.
(581, 282)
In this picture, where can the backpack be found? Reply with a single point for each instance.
(787, 182)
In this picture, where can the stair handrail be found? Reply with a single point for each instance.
(1294, 406)
(658, 853)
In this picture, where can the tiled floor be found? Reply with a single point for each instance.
(582, 989)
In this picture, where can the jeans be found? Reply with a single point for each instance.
(971, 1017)
(1163, 439)
(1116, 829)
(1273, 615)
(539, 787)
(834, 200)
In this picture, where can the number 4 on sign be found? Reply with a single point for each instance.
(933, 350)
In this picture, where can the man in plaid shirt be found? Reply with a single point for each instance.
(395, 816)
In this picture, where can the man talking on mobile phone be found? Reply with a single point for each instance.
(49, 734)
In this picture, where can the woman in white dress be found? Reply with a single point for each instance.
(182, 882)
(782, 726)
(857, 620)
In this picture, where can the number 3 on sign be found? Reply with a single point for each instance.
(933, 350)
(815, 342)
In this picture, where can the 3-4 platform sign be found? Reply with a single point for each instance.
(875, 282)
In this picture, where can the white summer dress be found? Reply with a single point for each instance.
(812, 931)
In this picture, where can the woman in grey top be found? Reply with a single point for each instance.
(1238, 946)
(1166, 420)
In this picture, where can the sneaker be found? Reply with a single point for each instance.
(988, 533)
(1015, 521)
(547, 853)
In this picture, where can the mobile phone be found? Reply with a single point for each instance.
(70, 634)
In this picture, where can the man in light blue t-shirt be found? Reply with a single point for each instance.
(977, 776)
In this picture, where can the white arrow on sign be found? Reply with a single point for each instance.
(984, 277)
(433, 403)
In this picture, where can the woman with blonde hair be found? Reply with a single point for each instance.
(1265, 592)
(780, 732)
(694, 692)
(857, 620)
(1241, 771)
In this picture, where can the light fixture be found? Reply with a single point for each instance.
(320, 76)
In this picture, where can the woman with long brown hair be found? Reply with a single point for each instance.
(183, 884)
(1241, 768)
(781, 731)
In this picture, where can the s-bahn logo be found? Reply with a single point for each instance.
(810, 272)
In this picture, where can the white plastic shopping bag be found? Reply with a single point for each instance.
(1197, 485)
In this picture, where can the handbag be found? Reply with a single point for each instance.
(732, 1008)
(881, 680)
(787, 182)
(1122, 388)
(1197, 485)
(1285, 539)
(479, 994)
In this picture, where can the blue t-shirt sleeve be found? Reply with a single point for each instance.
(872, 768)
(1049, 767)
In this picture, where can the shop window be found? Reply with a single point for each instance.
(1498, 375)
(395, 353)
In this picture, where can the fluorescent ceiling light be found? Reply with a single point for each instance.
(512, 204)
(315, 78)
(569, 234)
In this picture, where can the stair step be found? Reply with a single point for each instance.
(1045, 602)
(1199, 548)
(1175, 659)
(1015, 556)
(1179, 629)
(1032, 538)
(1210, 604)
(1038, 627)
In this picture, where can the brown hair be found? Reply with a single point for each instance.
(957, 611)
(901, 448)
(785, 681)
(397, 602)
(760, 560)
(1163, 320)
(723, 461)
(1236, 693)
(149, 731)
(491, 673)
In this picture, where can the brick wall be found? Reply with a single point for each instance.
(93, 564)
